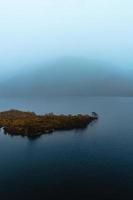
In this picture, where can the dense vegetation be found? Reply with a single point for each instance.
(28, 123)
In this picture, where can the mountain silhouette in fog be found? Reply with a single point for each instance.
(69, 76)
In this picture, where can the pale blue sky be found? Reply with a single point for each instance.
(34, 31)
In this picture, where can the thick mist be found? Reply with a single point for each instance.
(69, 76)
(72, 47)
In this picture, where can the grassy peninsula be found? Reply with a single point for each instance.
(17, 122)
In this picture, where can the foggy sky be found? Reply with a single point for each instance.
(34, 31)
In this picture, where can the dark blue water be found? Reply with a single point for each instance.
(93, 163)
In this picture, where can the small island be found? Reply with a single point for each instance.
(30, 124)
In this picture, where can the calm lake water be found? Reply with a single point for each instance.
(93, 163)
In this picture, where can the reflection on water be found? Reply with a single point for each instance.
(92, 163)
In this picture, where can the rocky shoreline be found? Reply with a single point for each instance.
(17, 122)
